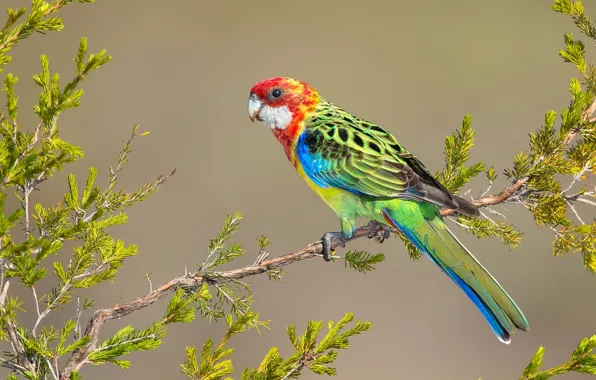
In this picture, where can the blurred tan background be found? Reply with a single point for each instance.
(183, 69)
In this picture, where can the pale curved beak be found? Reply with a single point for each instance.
(254, 107)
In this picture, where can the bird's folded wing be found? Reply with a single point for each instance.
(367, 160)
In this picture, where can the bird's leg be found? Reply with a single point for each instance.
(378, 231)
(328, 239)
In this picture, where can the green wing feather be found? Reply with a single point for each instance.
(362, 156)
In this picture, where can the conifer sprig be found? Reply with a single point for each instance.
(582, 360)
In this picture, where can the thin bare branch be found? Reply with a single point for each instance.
(54, 375)
(572, 207)
(26, 194)
(233, 302)
(36, 300)
(11, 365)
(77, 329)
(490, 200)
(487, 190)
(11, 329)
(304, 362)
(495, 212)
(65, 288)
(148, 277)
(586, 201)
(297, 367)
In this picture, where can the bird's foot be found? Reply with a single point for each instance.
(328, 239)
(378, 231)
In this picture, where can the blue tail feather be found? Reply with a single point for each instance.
(490, 317)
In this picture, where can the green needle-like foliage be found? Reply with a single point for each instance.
(125, 341)
(311, 351)
(362, 261)
(213, 363)
(219, 252)
(457, 153)
(582, 360)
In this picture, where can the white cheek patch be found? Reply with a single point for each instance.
(275, 117)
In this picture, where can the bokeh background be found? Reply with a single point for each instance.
(183, 69)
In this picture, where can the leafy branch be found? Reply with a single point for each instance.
(38, 20)
(582, 360)
(214, 364)
(310, 353)
(196, 284)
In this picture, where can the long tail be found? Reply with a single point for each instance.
(433, 238)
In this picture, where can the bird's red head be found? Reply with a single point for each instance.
(279, 102)
(282, 104)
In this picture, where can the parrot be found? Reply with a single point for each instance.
(361, 170)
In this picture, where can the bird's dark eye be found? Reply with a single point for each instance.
(276, 93)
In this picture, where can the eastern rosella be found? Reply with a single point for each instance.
(359, 169)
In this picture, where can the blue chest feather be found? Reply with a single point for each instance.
(312, 163)
(322, 172)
